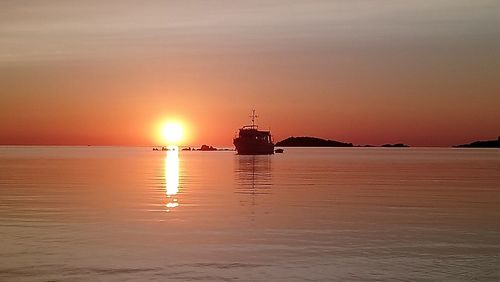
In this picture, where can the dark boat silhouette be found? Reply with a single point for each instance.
(252, 141)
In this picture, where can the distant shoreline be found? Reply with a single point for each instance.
(481, 144)
(308, 141)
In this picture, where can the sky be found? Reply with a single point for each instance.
(424, 73)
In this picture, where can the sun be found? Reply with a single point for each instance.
(172, 132)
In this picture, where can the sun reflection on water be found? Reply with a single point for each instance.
(172, 176)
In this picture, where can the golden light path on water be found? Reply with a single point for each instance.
(172, 176)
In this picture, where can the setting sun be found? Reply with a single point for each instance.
(172, 132)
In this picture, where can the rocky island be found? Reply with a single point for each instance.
(398, 145)
(481, 144)
(310, 142)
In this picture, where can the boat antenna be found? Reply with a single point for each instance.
(253, 116)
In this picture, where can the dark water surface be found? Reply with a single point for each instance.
(106, 213)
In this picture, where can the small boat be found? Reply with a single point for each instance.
(252, 141)
(279, 151)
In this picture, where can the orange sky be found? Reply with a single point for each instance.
(354, 71)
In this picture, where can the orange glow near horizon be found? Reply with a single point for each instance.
(334, 70)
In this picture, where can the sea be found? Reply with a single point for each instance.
(309, 214)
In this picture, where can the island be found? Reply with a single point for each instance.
(481, 144)
(203, 148)
(310, 142)
(398, 145)
(206, 148)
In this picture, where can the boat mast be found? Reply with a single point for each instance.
(253, 116)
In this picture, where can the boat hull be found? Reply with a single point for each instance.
(253, 147)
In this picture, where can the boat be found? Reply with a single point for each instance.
(252, 141)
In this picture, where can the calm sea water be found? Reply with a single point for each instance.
(109, 213)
